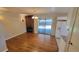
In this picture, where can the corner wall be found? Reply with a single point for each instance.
(12, 24)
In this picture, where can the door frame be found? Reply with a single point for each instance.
(72, 18)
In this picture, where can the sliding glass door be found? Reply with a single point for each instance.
(48, 26)
(44, 26)
(41, 26)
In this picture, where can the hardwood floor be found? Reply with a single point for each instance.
(30, 42)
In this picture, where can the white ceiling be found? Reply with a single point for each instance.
(38, 10)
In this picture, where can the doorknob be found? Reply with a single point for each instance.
(70, 43)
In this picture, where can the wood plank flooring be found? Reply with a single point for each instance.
(30, 42)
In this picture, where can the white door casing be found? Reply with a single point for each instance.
(74, 46)
(2, 39)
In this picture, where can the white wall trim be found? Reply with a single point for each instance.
(61, 44)
(14, 36)
(5, 50)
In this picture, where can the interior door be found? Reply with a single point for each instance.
(29, 23)
(61, 34)
(74, 44)
(61, 29)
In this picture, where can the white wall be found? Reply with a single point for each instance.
(35, 25)
(10, 25)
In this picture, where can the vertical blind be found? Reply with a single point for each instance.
(45, 26)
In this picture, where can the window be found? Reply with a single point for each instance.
(45, 26)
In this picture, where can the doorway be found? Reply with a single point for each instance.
(29, 23)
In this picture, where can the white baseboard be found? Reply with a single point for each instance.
(14, 35)
(5, 50)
